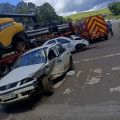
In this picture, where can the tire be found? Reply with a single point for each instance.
(106, 37)
(19, 42)
(47, 85)
(71, 65)
(79, 47)
(4, 69)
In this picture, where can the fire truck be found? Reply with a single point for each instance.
(92, 28)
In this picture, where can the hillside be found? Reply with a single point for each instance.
(104, 11)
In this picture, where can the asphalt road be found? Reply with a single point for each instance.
(90, 92)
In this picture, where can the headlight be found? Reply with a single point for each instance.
(26, 80)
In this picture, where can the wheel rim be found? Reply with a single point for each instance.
(21, 46)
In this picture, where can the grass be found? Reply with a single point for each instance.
(104, 11)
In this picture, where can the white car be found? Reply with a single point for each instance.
(34, 71)
(71, 44)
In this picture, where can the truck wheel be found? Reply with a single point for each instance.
(47, 85)
(4, 69)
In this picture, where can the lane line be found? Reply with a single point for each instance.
(76, 62)
(97, 58)
(116, 68)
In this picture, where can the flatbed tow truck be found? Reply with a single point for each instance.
(22, 39)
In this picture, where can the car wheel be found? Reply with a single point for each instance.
(4, 69)
(71, 65)
(47, 85)
(79, 47)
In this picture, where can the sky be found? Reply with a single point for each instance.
(67, 7)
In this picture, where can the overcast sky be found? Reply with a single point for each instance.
(66, 7)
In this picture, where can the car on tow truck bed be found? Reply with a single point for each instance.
(70, 43)
(34, 71)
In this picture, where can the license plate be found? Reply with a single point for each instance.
(8, 96)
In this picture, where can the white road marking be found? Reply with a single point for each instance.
(76, 62)
(116, 68)
(97, 58)
(79, 72)
(117, 89)
(68, 91)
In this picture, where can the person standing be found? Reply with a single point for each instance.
(110, 28)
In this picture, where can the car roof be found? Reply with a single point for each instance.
(41, 47)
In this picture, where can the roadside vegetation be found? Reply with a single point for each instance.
(105, 11)
(45, 13)
(112, 12)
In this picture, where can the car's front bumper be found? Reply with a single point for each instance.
(17, 95)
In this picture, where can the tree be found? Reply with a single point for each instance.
(7, 8)
(45, 13)
(114, 8)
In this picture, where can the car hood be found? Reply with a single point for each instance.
(20, 74)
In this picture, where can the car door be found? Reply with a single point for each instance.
(51, 60)
(55, 62)
(64, 55)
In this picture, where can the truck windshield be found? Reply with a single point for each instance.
(34, 57)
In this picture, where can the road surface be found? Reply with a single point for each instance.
(90, 92)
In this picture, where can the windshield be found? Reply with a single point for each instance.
(34, 57)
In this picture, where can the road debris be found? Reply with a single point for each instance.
(70, 73)
(98, 71)
(93, 80)
(68, 91)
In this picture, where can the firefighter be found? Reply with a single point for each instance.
(110, 28)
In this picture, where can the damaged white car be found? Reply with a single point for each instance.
(70, 43)
(35, 71)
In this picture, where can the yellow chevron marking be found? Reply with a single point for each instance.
(95, 31)
(97, 24)
(93, 19)
(92, 28)
(101, 30)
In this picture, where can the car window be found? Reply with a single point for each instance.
(63, 41)
(34, 57)
(5, 25)
(51, 54)
(60, 49)
(76, 38)
(51, 42)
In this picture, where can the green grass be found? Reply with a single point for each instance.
(104, 11)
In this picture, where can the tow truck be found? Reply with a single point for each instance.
(15, 39)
